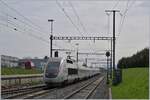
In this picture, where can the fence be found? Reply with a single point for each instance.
(13, 80)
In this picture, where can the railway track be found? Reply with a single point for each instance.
(14, 93)
(38, 93)
(74, 91)
(62, 93)
(85, 91)
(7, 91)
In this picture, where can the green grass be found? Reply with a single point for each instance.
(16, 71)
(135, 84)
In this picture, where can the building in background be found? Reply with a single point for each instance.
(33, 63)
(9, 61)
(27, 63)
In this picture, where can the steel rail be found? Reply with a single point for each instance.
(82, 88)
(39, 93)
(90, 93)
(22, 93)
(3, 92)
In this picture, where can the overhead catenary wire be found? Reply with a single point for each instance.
(23, 27)
(24, 23)
(26, 31)
(128, 6)
(11, 8)
(33, 25)
(78, 28)
(78, 18)
(68, 17)
(123, 17)
(76, 14)
(18, 29)
(14, 27)
(18, 26)
(116, 4)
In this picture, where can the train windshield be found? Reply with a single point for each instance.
(53, 64)
(53, 67)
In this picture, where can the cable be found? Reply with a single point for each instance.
(27, 32)
(65, 13)
(79, 20)
(16, 28)
(76, 14)
(20, 14)
(25, 24)
(68, 17)
(12, 23)
(15, 18)
(116, 4)
(36, 25)
(124, 16)
(30, 34)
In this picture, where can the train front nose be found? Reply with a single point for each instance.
(52, 74)
(52, 69)
(50, 77)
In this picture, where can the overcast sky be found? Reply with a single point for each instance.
(134, 35)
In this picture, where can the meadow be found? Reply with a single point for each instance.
(135, 84)
(19, 70)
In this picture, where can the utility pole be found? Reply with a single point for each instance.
(114, 12)
(51, 37)
(110, 69)
(77, 51)
(111, 60)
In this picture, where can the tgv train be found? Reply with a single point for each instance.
(60, 71)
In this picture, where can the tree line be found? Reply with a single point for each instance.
(140, 59)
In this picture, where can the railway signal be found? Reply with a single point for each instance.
(107, 55)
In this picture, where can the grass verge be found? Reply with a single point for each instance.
(135, 84)
(18, 70)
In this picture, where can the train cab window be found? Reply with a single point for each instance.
(72, 71)
(53, 66)
(69, 61)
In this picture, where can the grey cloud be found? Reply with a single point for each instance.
(145, 3)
